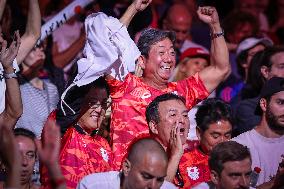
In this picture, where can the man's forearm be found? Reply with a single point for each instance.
(128, 15)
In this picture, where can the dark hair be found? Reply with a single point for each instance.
(227, 151)
(152, 112)
(255, 79)
(241, 59)
(211, 111)
(150, 36)
(75, 98)
(24, 132)
(237, 18)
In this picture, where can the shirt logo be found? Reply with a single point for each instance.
(104, 154)
(193, 173)
(145, 95)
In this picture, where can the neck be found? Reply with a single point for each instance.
(37, 83)
(27, 185)
(154, 83)
(265, 130)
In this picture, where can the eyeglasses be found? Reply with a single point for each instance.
(97, 104)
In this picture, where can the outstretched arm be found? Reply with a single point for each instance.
(32, 32)
(219, 60)
(136, 6)
(13, 108)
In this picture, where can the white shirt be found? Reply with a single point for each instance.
(109, 180)
(265, 152)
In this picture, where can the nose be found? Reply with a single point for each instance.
(167, 57)
(153, 184)
(24, 161)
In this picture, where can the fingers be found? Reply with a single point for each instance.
(206, 10)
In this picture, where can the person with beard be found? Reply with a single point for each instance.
(266, 140)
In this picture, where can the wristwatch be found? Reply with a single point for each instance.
(218, 34)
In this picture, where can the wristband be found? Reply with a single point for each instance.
(216, 35)
(9, 75)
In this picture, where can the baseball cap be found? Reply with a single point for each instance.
(272, 86)
(251, 42)
(195, 52)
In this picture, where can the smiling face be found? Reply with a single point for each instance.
(172, 113)
(97, 105)
(160, 64)
(27, 150)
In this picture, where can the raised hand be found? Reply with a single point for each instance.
(175, 141)
(7, 55)
(140, 5)
(208, 15)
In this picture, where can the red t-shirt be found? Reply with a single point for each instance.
(194, 168)
(129, 101)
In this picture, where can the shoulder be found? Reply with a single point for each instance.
(99, 179)
(168, 185)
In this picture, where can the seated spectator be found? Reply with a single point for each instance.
(230, 165)
(168, 122)
(83, 151)
(266, 140)
(144, 167)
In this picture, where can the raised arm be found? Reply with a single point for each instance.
(13, 108)
(219, 60)
(136, 6)
(2, 8)
(32, 33)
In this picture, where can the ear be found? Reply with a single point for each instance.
(153, 127)
(263, 104)
(126, 166)
(141, 61)
(214, 177)
(264, 71)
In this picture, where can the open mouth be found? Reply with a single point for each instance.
(167, 68)
(182, 131)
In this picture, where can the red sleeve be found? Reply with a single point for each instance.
(193, 90)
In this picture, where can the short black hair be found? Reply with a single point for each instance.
(24, 132)
(152, 111)
(227, 151)
(150, 36)
(211, 111)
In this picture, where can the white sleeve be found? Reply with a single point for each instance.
(108, 50)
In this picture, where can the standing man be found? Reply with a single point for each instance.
(266, 140)
(157, 62)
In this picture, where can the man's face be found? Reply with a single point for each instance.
(147, 173)
(275, 113)
(172, 113)
(235, 175)
(277, 68)
(216, 133)
(181, 27)
(161, 61)
(27, 150)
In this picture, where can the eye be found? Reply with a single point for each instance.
(184, 115)
(228, 136)
(161, 179)
(215, 136)
(161, 53)
(173, 53)
(173, 115)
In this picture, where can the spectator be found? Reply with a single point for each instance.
(83, 151)
(230, 165)
(157, 62)
(144, 167)
(179, 20)
(167, 119)
(13, 108)
(264, 66)
(28, 40)
(266, 140)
